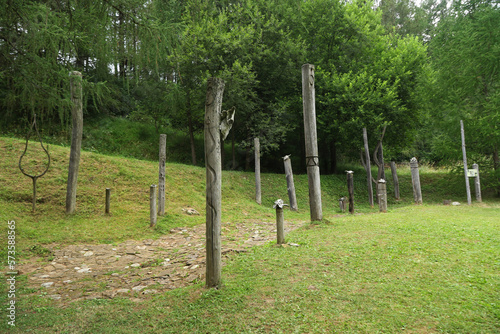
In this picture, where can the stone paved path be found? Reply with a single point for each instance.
(137, 269)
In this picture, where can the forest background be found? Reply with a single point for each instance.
(417, 68)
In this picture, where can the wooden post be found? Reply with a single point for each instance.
(161, 174)
(395, 179)
(415, 179)
(477, 183)
(76, 140)
(258, 195)
(213, 104)
(464, 154)
(289, 183)
(108, 201)
(152, 205)
(342, 204)
(350, 189)
(368, 168)
(311, 142)
(382, 195)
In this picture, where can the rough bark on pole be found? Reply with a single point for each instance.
(76, 140)
(258, 195)
(311, 142)
(217, 124)
(415, 179)
(467, 185)
(477, 183)
(108, 201)
(378, 156)
(382, 195)
(350, 189)
(161, 174)
(280, 228)
(368, 168)
(395, 179)
(289, 182)
(152, 205)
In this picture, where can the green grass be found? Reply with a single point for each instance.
(415, 269)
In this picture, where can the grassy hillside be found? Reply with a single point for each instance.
(417, 269)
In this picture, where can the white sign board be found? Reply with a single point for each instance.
(472, 172)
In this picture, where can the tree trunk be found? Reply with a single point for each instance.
(496, 166)
(191, 130)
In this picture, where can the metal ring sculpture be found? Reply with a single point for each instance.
(34, 177)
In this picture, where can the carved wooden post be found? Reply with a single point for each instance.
(350, 189)
(311, 140)
(415, 179)
(217, 125)
(280, 229)
(477, 183)
(108, 201)
(289, 183)
(467, 185)
(382, 195)
(152, 205)
(395, 179)
(368, 168)
(258, 195)
(161, 174)
(342, 204)
(76, 140)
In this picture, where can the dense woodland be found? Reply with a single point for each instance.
(417, 69)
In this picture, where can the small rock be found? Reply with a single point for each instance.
(294, 245)
(455, 203)
(84, 270)
(148, 292)
(135, 265)
(115, 274)
(194, 266)
(141, 247)
(47, 285)
(88, 254)
(54, 297)
(139, 287)
(44, 276)
(123, 291)
(67, 281)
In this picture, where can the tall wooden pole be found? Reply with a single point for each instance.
(76, 140)
(152, 206)
(395, 179)
(213, 104)
(464, 154)
(415, 179)
(477, 183)
(161, 174)
(108, 201)
(258, 195)
(368, 168)
(382, 195)
(289, 183)
(350, 189)
(311, 140)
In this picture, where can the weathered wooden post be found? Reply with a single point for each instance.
(342, 204)
(76, 140)
(108, 201)
(161, 174)
(395, 179)
(382, 195)
(217, 125)
(415, 179)
(477, 183)
(311, 142)
(152, 205)
(350, 189)
(258, 195)
(467, 185)
(290, 186)
(368, 168)
(280, 229)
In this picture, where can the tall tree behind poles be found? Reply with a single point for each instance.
(213, 103)
(76, 140)
(368, 168)
(312, 159)
(466, 171)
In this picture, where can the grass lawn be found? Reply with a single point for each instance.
(416, 269)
